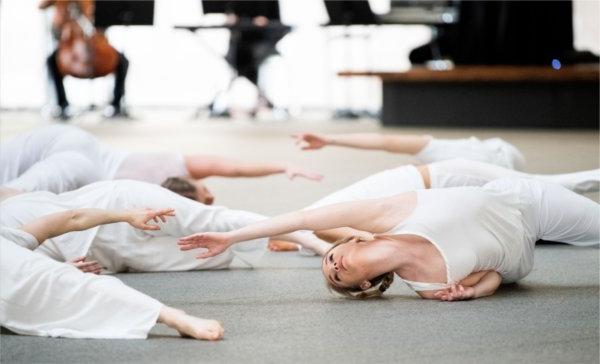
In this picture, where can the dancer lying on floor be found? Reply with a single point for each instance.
(449, 244)
(42, 297)
(448, 173)
(117, 248)
(425, 148)
(62, 158)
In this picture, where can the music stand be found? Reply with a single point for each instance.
(350, 13)
(112, 12)
(243, 9)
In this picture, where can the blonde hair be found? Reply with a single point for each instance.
(379, 284)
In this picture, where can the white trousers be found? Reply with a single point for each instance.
(60, 172)
(494, 151)
(42, 297)
(450, 173)
(463, 172)
(70, 160)
(553, 213)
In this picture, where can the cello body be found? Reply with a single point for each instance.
(83, 51)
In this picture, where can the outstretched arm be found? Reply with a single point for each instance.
(476, 285)
(81, 219)
(202, 166)
(376, 216)
(406, 144)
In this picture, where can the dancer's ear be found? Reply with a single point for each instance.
(365, 285)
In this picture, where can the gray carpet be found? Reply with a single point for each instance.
(282, 312)
(287, 316)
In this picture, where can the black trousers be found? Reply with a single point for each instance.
(249, 48)
(57, 80)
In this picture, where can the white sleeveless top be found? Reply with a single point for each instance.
(474, 229)
(151, 167)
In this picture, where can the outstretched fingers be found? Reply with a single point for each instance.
(192, 241)
(161, 214)
(187, 245)
(207, 254)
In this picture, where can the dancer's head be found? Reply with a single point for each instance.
(192, 189)
(347, 266)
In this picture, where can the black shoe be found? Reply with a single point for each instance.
(219, 113)
(115, 112)
(62, 113)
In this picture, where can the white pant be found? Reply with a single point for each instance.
(450, 173)
(494, 151)
(553, 213)
(56, 158)
(60, 172)
(463, 172)
(42, 297)
(63, 159)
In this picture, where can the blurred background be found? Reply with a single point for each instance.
(278, 60)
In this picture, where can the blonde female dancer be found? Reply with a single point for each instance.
(449, 244)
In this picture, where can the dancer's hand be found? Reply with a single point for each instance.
(90, 266)
(456, 292)
(140, 218)
(309, 141)
(214, 243)
(293, 172)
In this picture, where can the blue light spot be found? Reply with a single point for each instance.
(556, 64)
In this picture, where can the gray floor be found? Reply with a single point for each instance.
(282, 312)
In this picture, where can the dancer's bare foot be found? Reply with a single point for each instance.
(282, 246)
(191, 326)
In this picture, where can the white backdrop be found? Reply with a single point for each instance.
(178, 68)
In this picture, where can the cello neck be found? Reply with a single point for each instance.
(77, 14)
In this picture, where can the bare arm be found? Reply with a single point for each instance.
(45, 4)
(406, 144)
(376, 216)
(76, 220)
(333, 235)
(476, 285)
(202, 166)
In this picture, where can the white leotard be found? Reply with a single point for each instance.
(474, 229)
(152, 167)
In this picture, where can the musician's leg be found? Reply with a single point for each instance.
(120, 75)
(57, 81)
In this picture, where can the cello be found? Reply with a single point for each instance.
(83, 51)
